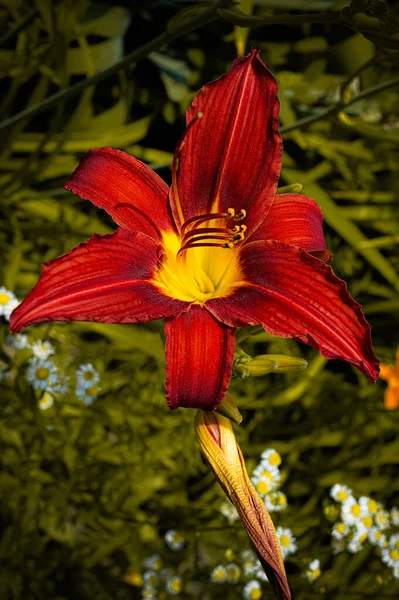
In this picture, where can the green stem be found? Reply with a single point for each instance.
(340, 106)
(203, 17)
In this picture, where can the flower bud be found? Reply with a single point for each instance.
(228, 408)
(293, 188)
(219, 447)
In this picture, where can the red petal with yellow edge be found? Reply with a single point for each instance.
(231, 157)
(292, 294)
(199, 359)
(293, 219)
(132, 194)
(103, 280)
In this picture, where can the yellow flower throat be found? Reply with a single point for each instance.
(203, 262)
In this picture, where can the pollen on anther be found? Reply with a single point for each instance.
(200, 115)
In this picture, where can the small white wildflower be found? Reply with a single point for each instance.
(153, 562)
(252, 590)
(394, 541)
(340, 531)
(42, 350)
(174, 540)
(233, 573)
(174, 585)
(394, 514)
(250, 562)
(219, 574)
(17, 341)
(46, 401)
(8, 302)
(61, 386)
(87, 376)
(270, 458)
(150, 578)
(265, 480)
(354, 546)
(87, 394)
(381, 518)
(360, 533)
(313, 571)
(390, 556)
(41, 374)
(286, 540)
(351, 511)
(276, 501)
(229, 511)
(340, 493)
(368, 505)
(376, 537)
(148, 593)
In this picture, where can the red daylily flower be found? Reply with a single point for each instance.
(217, 251)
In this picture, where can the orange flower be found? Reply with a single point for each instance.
(391, 375)
(218, 445)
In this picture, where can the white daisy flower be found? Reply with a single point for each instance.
(87, 394)
(265, 480)
(340, 531)
(276, 501)
(394, 514)
(8, 302)
(61, 386)
(390, 556)
(376, 537)
(313, 571)
(351, 511)
(394, 541)
(153, 562)
(219, 574)
(174, 540)
(340, 493)
(41, 374)
(381, 518)
(151, 578)
(360, 533)
(229, 511)
(395, 572)
(148, 593)
(354, 546)
(46, 401)
(233, 573)
(286, 540)
(270, 458)
(252, 590)
(368, 505)
(174, 585)
(17, 341)
(87, 375)
(42, 350)
(250, 563)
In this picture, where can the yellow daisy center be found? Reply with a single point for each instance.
(285, 541)
(356, 510)
(255, 594)
(372, 506)
(367, 522)
(394, 554)
(88, 375)
(342, 495)
(42, 373)
(4, 299)
(275, 459)
(93, 390)
(175, 585)
(341, 528)
(262, 487)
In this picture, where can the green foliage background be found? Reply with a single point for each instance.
(88, 492)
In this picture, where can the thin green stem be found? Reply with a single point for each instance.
(203, 17)
(340, 106)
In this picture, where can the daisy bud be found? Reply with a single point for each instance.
(219, 447)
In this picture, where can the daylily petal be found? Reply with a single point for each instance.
(391, 396)
(294, 219)
(219, 447)
(104, 280)
(231, 157)
(292, 294)
(386, 372)
(132, 194)
(199, 358)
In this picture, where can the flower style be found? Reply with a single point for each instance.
(217, 251)
(218, 445)
(391, 375)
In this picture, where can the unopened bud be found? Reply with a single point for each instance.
(293, 188)
(228, 408)
(284, 364)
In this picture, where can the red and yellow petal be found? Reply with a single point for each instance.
(231, 157)
(292, 294)
(199, 359)
(293, 219)
(132, 194)
(105, 279)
